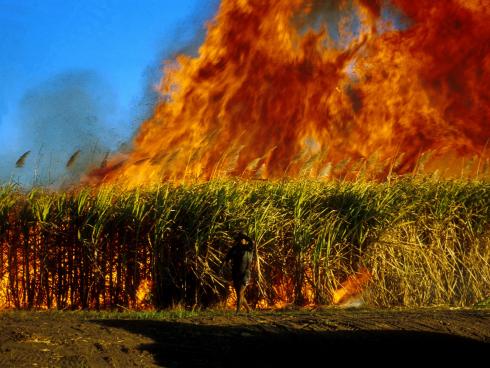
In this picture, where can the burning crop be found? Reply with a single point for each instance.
(321, 89)
(423, 242)
(352, 287)
(344, 89)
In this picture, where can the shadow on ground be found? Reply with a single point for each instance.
(185, 344)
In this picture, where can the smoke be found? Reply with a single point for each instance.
(66, 114)
(343, 20)
(186, 39)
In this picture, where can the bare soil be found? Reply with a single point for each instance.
(321, 336)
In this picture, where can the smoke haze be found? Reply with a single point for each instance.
(58, 117)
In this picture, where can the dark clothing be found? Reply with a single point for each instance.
(241, 257)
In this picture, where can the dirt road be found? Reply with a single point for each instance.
(321, 337)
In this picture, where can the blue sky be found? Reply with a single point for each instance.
(85, 68)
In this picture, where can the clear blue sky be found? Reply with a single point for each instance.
(60, 59)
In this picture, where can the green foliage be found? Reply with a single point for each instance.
(483, 303)
(425, 241)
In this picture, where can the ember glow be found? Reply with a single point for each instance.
(352, 287)
(280, 88)
(143, 294)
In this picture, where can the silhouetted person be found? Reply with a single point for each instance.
(241, 256)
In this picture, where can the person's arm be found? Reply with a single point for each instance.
(227, 257)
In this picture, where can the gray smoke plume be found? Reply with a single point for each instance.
(64, 115)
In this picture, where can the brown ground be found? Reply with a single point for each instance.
(219, 338)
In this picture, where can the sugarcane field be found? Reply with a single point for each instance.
(244, 183)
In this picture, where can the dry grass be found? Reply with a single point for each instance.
(426, 242)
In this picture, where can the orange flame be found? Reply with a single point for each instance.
(3, 291)
(143, 294)
(352, 287)
(269, 95)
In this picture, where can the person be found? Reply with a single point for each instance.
(241, 255)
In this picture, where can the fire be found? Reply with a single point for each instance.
(284, 295)
(3, 291)
(143, 294)
(352, 287)
(319, 89)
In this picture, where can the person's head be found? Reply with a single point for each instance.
(242, 239)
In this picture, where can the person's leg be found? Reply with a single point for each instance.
(238, 291)
(243, 299)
